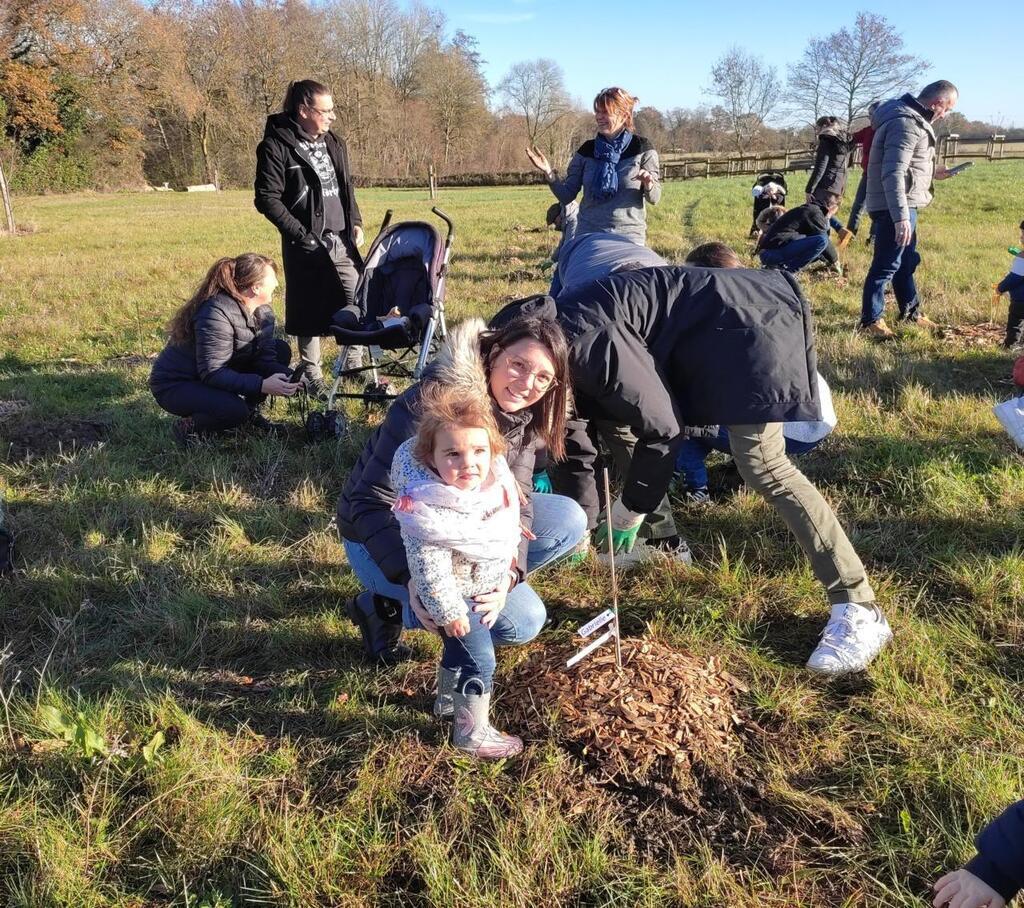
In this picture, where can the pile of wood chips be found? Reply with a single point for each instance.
(985, 334)
(665, 712)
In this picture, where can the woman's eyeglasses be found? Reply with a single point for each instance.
(519, 369)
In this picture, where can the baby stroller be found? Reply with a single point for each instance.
(768, 190)
(398, 314)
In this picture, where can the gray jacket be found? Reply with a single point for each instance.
(902, 158)
(624, 212)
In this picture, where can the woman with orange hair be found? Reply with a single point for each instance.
(617, 171)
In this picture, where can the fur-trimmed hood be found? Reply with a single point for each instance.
(458, 362)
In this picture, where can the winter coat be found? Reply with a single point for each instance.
(592, 256)
(1013, 284)
(663, 348)
(289, 195)
(624, 212)
(364, 508)
(795, 224)
(902, 160)
(458, 544)
(231, 349)
(829, 171)
(1000, 859)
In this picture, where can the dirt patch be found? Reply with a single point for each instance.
(10, 408)
(670, 738)
(130, 360)
(24, 437)
(986, 334)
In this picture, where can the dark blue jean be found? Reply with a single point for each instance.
(796, 254)
(891, 263)
(558, 523)
(692, 456)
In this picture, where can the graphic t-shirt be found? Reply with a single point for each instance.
(334, 214)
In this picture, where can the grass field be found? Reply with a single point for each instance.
(185, 719)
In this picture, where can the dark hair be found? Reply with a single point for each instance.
(769, 216)
(1022, 225)
(713, 255)
(832, 198)
(226, 275)
(822, 122)
(302, 92)
(551, 411)
(936, 91)
(552, 213)
(442, 406)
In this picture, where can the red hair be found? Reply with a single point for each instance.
(618, 101)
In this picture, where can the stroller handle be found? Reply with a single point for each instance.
(448, 221)
(386, 221)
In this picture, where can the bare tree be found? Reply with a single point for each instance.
(536, 89)
(844, 72)
(749, 91)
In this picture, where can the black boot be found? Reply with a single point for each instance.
(379, 620)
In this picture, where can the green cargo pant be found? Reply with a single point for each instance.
(760, 454)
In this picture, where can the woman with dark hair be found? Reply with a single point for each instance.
(222, 360)
(522, 367)
(828, 176)
(304, 188)
(617, 171)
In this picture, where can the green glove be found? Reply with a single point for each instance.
(542, 482)
(625, 525)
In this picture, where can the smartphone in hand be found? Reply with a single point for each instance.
(960, 168)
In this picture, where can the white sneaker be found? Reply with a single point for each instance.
(854, 635)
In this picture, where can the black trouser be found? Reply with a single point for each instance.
(211, 409)
(1013, 322)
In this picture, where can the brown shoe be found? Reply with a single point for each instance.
(877, 330)
(926, 323)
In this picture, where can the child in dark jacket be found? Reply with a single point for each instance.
(996, 874)
(800, 236)
(1013, 284)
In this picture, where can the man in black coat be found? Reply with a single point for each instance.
(800, 236)
(660, 349)
(304, 188)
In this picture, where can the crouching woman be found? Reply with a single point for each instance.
(222, 360)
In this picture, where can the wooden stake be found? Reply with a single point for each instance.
(6, 194)
(611, 563)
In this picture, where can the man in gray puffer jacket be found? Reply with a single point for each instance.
(899, 178)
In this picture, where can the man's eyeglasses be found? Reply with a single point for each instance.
(519, 369)
(324, 113)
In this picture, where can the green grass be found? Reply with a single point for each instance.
(200, 596)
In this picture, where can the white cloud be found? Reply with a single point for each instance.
(501, 18)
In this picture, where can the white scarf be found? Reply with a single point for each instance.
(482, 524)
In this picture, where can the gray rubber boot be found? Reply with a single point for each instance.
(443, 706)
(472, 732)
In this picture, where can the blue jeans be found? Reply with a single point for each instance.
(891, 263)
(796, 254)
(694, 452)
(558, 523)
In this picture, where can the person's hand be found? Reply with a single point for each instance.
(418, 609)
(942, 173)
(278, 385)
(309, 243)
(489, 605)
(457, 628)
(646, 179)
(357, 235)
(904, 232)
(538, 159)
(624, 526)
(542, 482)
(962, 889)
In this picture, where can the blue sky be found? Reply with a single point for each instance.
(662, 51)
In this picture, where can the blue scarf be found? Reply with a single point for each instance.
(607, 152)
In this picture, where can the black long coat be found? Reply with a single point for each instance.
(662, 348)
(288, 193)
(829, 171)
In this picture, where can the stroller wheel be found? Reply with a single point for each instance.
(315, 427)
(334, 424)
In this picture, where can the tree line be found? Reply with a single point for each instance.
(120, 93)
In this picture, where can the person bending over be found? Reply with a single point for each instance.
(800, 237)
(222, 360)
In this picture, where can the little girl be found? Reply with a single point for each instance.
(458, 510)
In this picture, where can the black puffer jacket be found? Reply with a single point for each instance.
(231, 349)
(289, 195)
(364, 509)
(829, 171)
(662, 348)
(804, 220)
